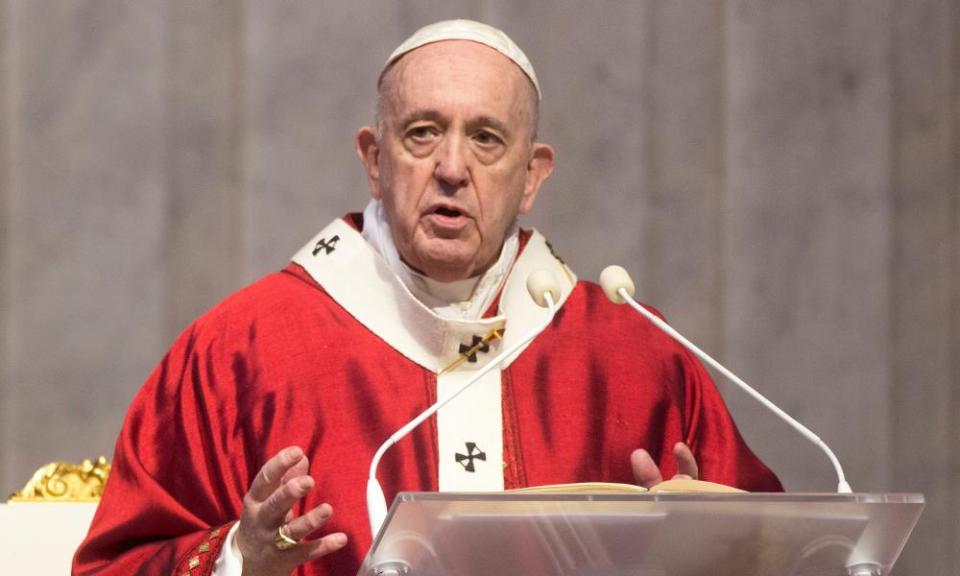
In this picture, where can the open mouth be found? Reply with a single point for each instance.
(448, 212)
(448, 220)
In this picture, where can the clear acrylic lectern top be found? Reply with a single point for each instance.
(505, 534)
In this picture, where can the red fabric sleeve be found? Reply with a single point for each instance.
(720, 451)
(170, 492)
(601, 382)
(722, 454)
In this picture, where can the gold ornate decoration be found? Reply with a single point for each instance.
(563, 265)
(66, 482)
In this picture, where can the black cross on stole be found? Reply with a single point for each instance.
(473, 453)
(477, 345)
(327, 246)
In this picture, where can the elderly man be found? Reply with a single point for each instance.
(271, 405)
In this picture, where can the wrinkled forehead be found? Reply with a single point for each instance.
(464, 30)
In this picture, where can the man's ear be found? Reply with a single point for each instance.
(368, 150)
(539, 168)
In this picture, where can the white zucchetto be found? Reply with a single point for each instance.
(467, 30)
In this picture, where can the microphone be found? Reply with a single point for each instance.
(618, 287)
(545, 291)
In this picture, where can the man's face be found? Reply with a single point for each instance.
(455, 163)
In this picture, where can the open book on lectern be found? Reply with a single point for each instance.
(675, 486)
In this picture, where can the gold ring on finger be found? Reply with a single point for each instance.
(282, 540)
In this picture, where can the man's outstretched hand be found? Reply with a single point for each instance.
(281, 482)
(647, 474)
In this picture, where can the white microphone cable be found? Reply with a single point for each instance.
(618, 286)
(545, 291)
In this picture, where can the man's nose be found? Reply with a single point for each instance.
(451, 167)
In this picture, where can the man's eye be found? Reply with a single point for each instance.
(420, 132)
(487, 138)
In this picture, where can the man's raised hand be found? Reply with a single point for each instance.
(281, 482)
(647, 474)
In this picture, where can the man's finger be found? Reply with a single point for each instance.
(275, 509)
(645, 470)
(269, 477)
(300, 468)
(326, 545)
(302, 526)
(686, 463)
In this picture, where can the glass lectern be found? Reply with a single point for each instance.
(664, 534)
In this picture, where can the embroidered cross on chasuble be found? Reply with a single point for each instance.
(469, 428)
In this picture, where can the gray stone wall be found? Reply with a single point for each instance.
(782, 179)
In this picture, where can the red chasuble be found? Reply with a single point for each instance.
(283, 363)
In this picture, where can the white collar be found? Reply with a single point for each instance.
(362, 282)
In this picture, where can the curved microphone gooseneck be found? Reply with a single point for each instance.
(545, 291)
(619, 288)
